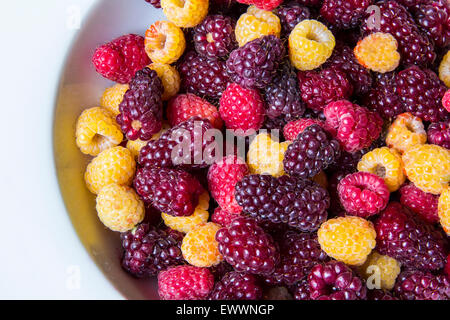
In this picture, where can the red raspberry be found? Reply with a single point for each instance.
(363, 194)
(185, 283)
(408, 239)
(318, 88)
(171, 191)
(292, 129)
(241, 109)
(222, 178)
(185, 106)
(223, 217)
(121, 58)
(356, 126)
(247, 247)
(446, 100)
(267, 5)
(335, 281)
(422, 203)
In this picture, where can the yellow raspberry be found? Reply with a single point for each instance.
(256, 23)
(444, 69)
(164, 42)
(135, 146)
(97, 130)
(265, 156)
(119, 207)
(112, 97)
(380, 270)
(321, 179)
(405, 132)
(385, 163)
(187, 223)
(185, 13)
(115, 165)
(170, 79)
(199, 246)
(428, 167)
(444, 210)
(310, 45)
(348, 239)
(378, 52)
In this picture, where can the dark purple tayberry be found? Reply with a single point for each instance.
(148, 250)
(291, 14)
(421, 285)
(237, 286)
(439, 134)
(214, 37)
(345, 14)
(302, 204)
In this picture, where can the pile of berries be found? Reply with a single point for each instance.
(338, 185)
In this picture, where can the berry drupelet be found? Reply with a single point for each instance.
(172, 191)
(246, 247)
(237, 286)
(409, 239)
(148, 250)
(312, 151)
(300, 203)
(282, 96)
(254, 65)
(141, 111)
(214, 37)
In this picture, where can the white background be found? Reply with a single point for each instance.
(40, 252)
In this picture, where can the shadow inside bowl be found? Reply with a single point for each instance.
(80, 88)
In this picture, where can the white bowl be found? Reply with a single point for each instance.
(80, 88)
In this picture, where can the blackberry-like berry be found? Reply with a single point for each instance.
(344, 59)
(202, 76)
(439, 134)
(290, 15)
(148, 250)
(379, 294)
(300, 203)
(335, 281)
(312, 151)
(159, 153)
(283, 98)
(172, 191)
(155, 3)
(254, 65)
(420, 285)
(237, 286)
(299, 253)
(214, 37)
(141, 108)
(410, 240)
(247, 247)
(414, 47)
(421, 92)
(300, 290)
(383, 98)
(318, 88)
(434, 19)
(344, 14)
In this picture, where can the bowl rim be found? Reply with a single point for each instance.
(88, 15)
